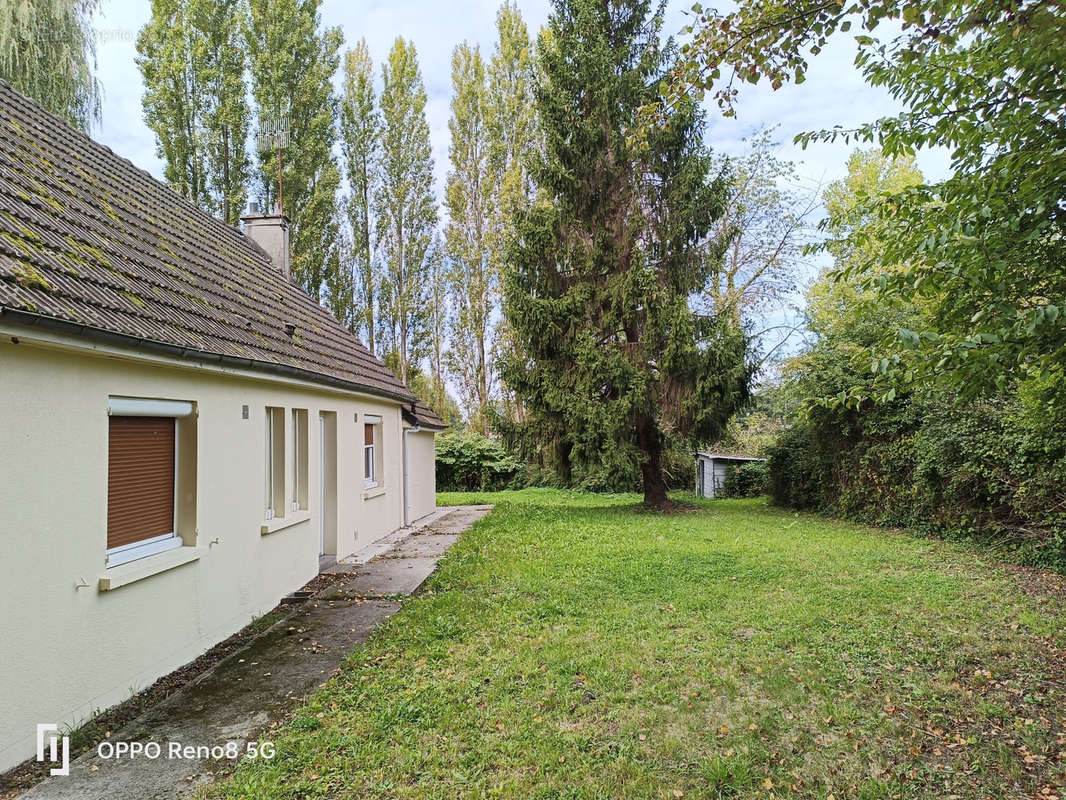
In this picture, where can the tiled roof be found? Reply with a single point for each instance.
(94, 246)
(426, 417)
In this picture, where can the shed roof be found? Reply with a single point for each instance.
(728, 457)
(93, 246)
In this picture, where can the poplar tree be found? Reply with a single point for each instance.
(293, 60)
(171, 60)
(407, 211)
(192, 59)
(438, 325)
(47, 52)
(471, 199)
(602, 268)
(361, 146)
(227, 117)
(511, 118)
(510, 113)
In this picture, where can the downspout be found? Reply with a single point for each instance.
(406, 504)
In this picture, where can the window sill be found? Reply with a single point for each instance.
(376, 491)
(146, 567)
(281, 523)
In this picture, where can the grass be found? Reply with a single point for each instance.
(574, 646)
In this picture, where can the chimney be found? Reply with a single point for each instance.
(271, 233)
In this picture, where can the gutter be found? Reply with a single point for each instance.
(187, 353)
(415, 429)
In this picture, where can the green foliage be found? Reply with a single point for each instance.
(572, 646)
(192, 58)
(610, 359)
(292, 62)
(356, 300)
(746, 480)
(989, 467)
(48, 52)
(469, 461)
(471, 198)
(983, 250)
(754, 429)
(406, 208)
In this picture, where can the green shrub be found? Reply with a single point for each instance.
(992, 470)
(745, 480)
(469, 462)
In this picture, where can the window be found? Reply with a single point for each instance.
(372, 447)
(299, 459)
(369, 459)
(275, 462)
(143, 477)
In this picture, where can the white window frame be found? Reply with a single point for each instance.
(297, 454)
(274, 469)
(268, 451)
(370, 477)
(147, 407)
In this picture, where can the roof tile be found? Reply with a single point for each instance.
(89, 239)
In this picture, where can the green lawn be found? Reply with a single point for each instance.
(572, 646)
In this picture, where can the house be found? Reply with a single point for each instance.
(186, 436)
(711, 471)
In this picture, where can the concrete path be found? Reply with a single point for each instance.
(238, 699)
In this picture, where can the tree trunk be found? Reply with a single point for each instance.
(651, 467)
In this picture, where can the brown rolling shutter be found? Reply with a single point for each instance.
(368, 434)
(140, 479)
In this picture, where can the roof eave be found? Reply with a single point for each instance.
(76, 329)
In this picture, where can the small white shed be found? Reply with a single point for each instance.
(711, 471)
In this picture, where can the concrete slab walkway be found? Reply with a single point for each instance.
(238, 699)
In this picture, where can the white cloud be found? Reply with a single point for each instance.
(834, 92)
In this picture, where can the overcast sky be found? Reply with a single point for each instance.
(833, 94)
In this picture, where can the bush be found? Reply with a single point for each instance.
(746, 480)
(992, 470)
(470, 462)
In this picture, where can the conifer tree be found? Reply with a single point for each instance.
(361, 145)
(407, 211)
(471, 200)
(293, 60)
(48, 52)
(599, 277)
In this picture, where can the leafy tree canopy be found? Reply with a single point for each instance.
(985, 249)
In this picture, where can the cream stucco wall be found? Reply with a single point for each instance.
(421, 475)
(69, 651)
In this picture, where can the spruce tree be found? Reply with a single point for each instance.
(599, 278)
(361, 146)
(407, 211)
(293, 60)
